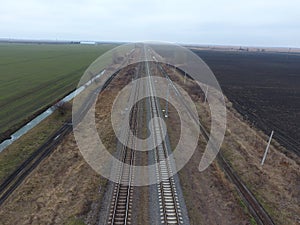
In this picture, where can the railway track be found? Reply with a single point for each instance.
(122, 198)
(255, 208)
(121, 205)
(170, 211)
(169, 205)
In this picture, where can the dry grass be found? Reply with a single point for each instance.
(209, 196)
(64, 189)
(61, 187)
(277, 183)
(20, 150)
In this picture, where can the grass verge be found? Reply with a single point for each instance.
(20, 150)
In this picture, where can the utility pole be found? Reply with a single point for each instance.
(167, 101)
(267, 148)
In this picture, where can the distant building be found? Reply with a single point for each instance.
(87, 42)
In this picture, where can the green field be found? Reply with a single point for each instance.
(32, 76)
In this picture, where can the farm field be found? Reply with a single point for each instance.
(242, 149)
(264, 88)
(33, 76)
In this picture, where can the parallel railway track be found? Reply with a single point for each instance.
(121, 205)
(121, 202)
(170, 209)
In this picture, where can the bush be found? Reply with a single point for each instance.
(63, 107)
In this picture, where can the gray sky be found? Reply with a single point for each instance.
(234, 22)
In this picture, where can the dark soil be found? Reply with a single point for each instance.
(264, 88)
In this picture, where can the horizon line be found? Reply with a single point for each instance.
(43, 40)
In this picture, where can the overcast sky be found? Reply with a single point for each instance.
(233, 22)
